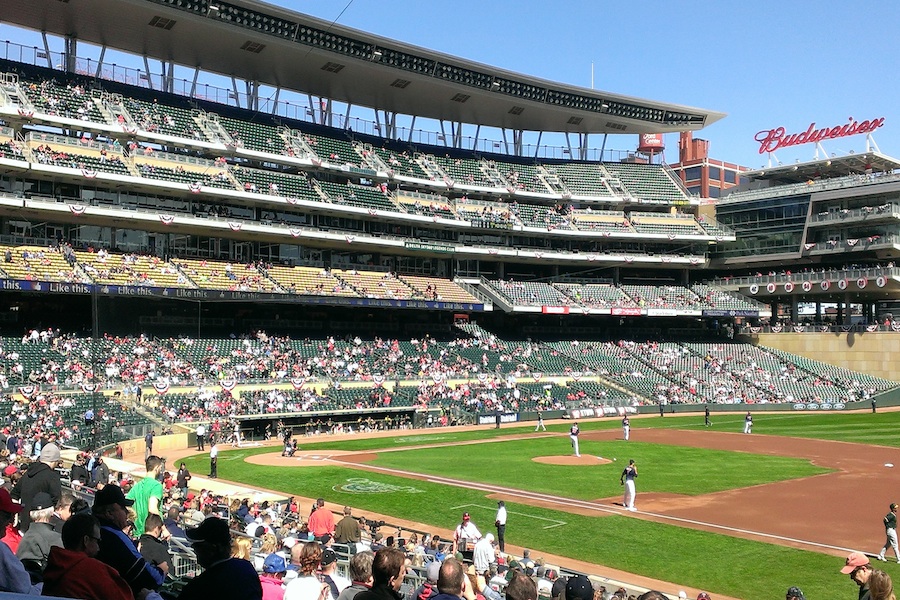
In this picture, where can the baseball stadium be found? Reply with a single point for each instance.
(420, 287)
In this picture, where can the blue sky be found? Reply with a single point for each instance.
(764, 63)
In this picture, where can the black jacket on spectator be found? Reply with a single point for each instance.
(80, 473)
(379, 592)
(233, 579)
(39, 477)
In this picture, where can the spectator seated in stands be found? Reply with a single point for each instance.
(116, 548)
(34, 548)
(14, 576)
(360, 575)
(223, 578)
(74, 572)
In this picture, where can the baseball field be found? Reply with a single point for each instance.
(745, 516)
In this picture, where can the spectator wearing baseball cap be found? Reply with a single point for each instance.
(579, 587)
(16, 578)
(116, 548)
(858, 567)
(273, 572)
(466, 532)
(223, 578)
(337, 583)
(34, 549)
(39, 477)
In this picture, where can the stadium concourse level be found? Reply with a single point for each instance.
(176, 144)
(63, 264)
(696, 297)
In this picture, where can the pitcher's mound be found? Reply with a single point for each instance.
(570, 459)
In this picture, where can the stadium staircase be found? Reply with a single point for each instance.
(297, 142)
(150, 414)
(371, 158)
(495, 296)
(9, 85)
(431, 167)
(212, 127)
(476, 291)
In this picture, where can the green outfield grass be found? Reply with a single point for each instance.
(863, 428)
(657, 550)
(719, 563)
(667, 469)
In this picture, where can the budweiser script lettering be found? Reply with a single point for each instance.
(771, 140)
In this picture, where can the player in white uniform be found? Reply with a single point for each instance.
(627, 479)
(748, 422)
(573, 435)
(540, 423)
(626, 427)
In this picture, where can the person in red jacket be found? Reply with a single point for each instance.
(73, 572)
(321, 521)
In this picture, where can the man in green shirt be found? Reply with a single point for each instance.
(147, 494)
(890, 531)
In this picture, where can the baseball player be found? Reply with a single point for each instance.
(748, 422)
(573, 435)
(627, 479)
(540, 423)
(626, 427)
(890, 530)
(706, 414)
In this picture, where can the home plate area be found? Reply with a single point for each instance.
(305, 457)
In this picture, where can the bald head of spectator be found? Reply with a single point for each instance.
(451, 577)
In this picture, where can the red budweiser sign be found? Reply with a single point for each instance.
(771, 140)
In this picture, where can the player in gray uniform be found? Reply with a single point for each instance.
(890, 531)
(573, 435)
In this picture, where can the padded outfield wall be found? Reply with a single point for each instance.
(875, 353)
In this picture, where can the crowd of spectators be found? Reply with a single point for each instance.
(482, 372)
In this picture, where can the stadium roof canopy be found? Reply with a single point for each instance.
(828, 168)
(255, 41)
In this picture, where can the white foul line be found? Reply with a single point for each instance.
(556, 522)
